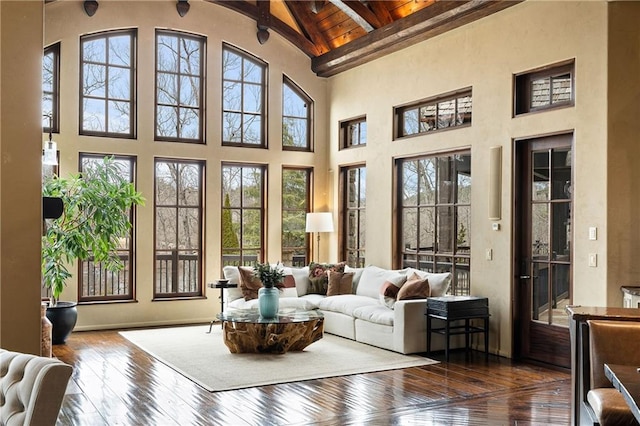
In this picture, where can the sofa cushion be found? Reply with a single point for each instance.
(439, 283)
(415, 287)
(376, 314)
(373, 277)
(249, 283)
(318, 278)
(233, 275)
(345, 303)
(388, 294)
(288, 288)
(357, 273)
(301, 278)
(339, 283)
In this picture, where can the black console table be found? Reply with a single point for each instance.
(458, 308)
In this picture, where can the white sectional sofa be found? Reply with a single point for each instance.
(363, 315)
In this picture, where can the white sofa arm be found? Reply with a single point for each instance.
(410, 326)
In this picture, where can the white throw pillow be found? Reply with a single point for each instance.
(439, 283)
(357, 274)
(301, 276)
(233, 275)
(373, 277)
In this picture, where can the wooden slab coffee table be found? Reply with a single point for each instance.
(292, 330)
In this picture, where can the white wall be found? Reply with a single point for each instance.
(219, 25)
(485, 55)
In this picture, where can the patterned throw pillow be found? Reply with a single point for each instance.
(319, 280)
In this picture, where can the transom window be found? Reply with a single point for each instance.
(95, 282)
(242, 214)
(107, 80)
(296, 191)
(442, 112)
(243, 99)
(296, 117)
(179, 87)
(353, 132)
(51, 89)
(551, 87)
(354, 181)
(179, 189)
(434, 215)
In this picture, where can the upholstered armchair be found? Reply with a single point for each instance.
(31, 389)
(611, 342)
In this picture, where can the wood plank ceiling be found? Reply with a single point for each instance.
(341, 34)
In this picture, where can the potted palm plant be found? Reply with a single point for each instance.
(95, 217)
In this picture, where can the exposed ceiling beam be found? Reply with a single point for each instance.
(277, 25)
(305, 19)
(352, 14)
(421, 25)
(366, 14)
(382, 13)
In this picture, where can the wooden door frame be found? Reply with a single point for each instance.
(520, 339)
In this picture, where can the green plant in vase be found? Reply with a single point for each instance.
(268, 296)
(95, 218)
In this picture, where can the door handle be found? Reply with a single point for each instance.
(525, 277)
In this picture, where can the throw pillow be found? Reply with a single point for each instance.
(288, 288)
(339, 283)
(415, 288)
(249, 283)
(389, 294)
(438, 282)
(318, 278)
(373, 277)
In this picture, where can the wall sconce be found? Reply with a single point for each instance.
(50, 148)
(90, 7)
(495, 183)
(263, 34)
(182, 6)
(319, 222)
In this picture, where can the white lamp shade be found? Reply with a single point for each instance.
(319, 222)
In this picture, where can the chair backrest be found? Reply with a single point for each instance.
(31, 388)
(612, 342)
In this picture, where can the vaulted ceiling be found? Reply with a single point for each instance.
(340, 34)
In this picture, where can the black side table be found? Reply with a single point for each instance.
(221, 284)
(454, 308)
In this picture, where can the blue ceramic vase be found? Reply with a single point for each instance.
(268, 298)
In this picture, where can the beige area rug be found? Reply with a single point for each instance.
(206, 360)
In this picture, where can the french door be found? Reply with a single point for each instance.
(543, 255)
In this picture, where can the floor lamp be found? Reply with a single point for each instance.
(319, 222)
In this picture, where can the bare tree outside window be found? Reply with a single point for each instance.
(95, 282)
(108, 84)
(179, 87)
(296, 193)
(179, 188)
(51, 89)
(243, 99)
(435, 215)
(442, 112)
(354, 181)
(242, 214)
(296, 117)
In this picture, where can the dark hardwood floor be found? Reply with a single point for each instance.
(116, 383)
